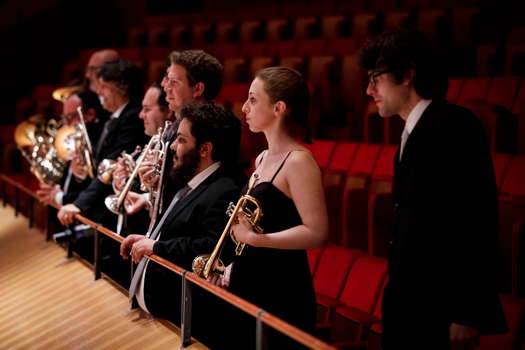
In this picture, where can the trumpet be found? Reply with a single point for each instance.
(106, 167)
(73, 141)
(203, 264)
(160, 151)
(35, 140)
(114, 202)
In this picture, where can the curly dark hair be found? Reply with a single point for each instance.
(401, 50)
(212, 123)
(126, 76)
(201, 67)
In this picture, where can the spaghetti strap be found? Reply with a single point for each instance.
(262, 157)
(281, 166)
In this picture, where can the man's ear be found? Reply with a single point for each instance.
(198, 90)
(206, 149)
(409, 77)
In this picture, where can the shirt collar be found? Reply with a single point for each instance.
(203, 175)
(117, 113)
(415, 114)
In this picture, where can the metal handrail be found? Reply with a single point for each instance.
(268, 319)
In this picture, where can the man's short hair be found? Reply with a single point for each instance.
(401, 50)
(201, 67)
(126, 76)
(212, 123)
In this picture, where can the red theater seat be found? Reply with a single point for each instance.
(355, 197)
(334, 178)
(380, 206)
(359, 296)
(514, 309)
(330, 276)
(314, 255)
(511, 211)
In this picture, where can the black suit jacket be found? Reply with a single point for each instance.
(192, 228)
(443, 252)
(124, 134)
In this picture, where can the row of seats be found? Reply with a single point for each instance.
(358, 187)
(349, 287)
(465, 23)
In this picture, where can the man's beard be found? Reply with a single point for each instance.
(180, 175)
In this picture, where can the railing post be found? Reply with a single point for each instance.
(31, 211)
(186, 310)
(17, 200)
(261, 331)
(97, 257)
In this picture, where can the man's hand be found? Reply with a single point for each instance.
(142, 248)
(127, 243)
(135, 202)
(120, 174)
(149, 174)
(78, 168)
(47, 193)
(66, 214)
(463, 337)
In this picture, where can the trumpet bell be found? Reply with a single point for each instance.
(111, 203)
(199, 263)
(65, 142)
(105, 170)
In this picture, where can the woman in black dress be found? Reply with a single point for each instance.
(273, 271)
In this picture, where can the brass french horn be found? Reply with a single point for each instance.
(35, 140)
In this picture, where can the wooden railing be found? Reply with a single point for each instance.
(262, 317)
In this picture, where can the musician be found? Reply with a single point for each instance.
(121, 90)
(154, 114)
(94, 118)
(191, 75)
(440, 293)
(204, 174)
(273, 271)
(96, 61)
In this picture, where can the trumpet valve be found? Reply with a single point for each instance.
(239, 248)
(231, 208)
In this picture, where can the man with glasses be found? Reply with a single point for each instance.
(440, 293)
(96, 61)
(94, 118)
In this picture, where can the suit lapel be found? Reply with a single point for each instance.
(192, 196)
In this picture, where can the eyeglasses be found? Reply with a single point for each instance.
(372, 77)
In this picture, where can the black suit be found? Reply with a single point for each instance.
(192, 228)
(124, 134)
(445, 224)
